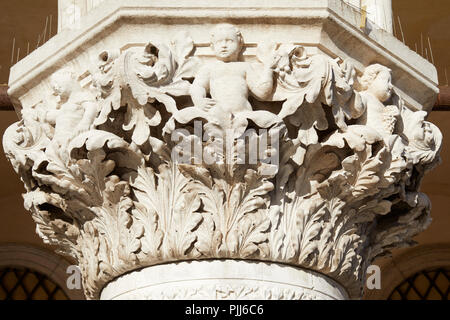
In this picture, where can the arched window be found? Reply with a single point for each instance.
(431, 284)
(419, 273)
(30, 273)
(19, 283)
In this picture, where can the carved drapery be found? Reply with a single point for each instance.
(147, 162)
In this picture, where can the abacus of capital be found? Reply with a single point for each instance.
(223, 149)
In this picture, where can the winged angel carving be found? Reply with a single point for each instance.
(333, 185)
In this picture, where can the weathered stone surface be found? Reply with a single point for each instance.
(174, 151)
(321, 26)
(224, 280)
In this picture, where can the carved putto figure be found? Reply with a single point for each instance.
(229, 82)
(76, 110)
(377, 89)
(103, 186)
(227, 79)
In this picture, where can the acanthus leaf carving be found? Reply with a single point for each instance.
(118, 177)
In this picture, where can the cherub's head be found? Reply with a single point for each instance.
(226, 42)
(377, 79)
(63, 83)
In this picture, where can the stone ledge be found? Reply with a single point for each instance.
(334, 25)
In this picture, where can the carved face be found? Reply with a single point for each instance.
(226, 44)
(428, 133)
(62, 84)
(381, 87)
(421, 133)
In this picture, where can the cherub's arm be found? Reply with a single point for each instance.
(260, 83)
(353, 102)
(90, 112)
(200, 88)
(357, 105)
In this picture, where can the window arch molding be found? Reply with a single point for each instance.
(396, 270)
(40, 260)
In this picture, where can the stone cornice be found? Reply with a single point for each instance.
(329, 16)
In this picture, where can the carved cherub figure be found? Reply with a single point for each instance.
(76, 110)
(377, 88)
(228, 80)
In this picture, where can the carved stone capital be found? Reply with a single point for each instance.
(157, 154)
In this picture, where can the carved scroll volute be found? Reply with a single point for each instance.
(332, 185)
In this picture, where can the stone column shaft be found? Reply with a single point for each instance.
(380, 12)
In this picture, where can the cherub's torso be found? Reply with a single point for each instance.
(228, 85)
(378, 116)
(71, 113)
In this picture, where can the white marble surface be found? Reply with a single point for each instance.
(328, 26)
(223, 279)
(334, 184)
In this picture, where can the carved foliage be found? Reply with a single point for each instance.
(114, 197)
